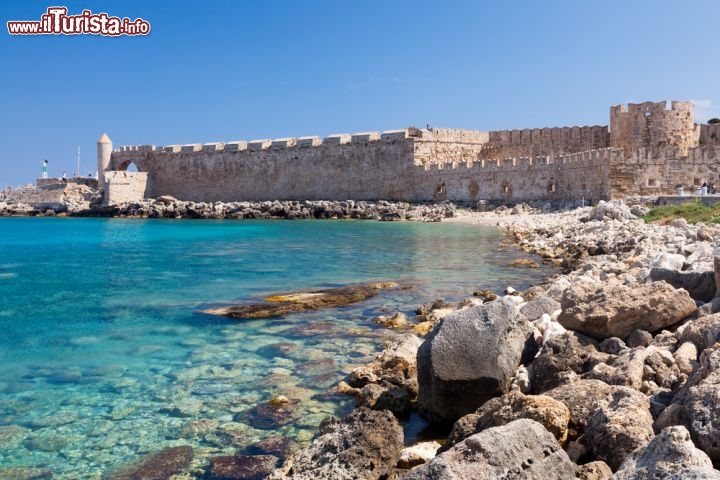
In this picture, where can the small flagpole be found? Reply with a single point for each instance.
(78, 160)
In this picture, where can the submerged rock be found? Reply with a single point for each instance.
(241, 467)
(157, 466)
(277, 305)
(269, 415)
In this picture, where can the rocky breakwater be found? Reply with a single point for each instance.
(170, 207)
(610, 370)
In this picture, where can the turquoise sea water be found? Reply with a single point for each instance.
(105, 357)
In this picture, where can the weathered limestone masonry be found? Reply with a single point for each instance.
(646, 150)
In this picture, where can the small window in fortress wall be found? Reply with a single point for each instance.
(696, 182)
(652, 182)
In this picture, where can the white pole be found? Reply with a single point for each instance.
(78, 160)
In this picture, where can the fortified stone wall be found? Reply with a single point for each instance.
(647, 150)
(545, 141)
(120, 187)
(364, 166)
(710, 134)
(650, 125)
(573, 176)
(49, 194)
(413, 165)
(648, 172)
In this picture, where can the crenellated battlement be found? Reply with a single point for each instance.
(361, 138)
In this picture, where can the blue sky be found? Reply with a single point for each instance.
(242, 70)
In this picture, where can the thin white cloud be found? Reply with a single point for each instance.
(705, 110)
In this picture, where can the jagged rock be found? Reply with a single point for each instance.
(667, 261)
(366, 445)
(522, 449)
(622, 426)
(671, 455)
(700, 285)
(157, 466)
(533, 293)
(624, 369)
(471, 357)
(395, 321)
(703, 332)
(612, 345)
(713, 306)
(563, 353)
(614, 209)
(241, 467)
(376, 397)
(538, 306)
(548, 328)
(661, 369)
(547, 411)
(604, 311)
(166, 200)
(639, 338)
(639, 210)
(686, 357)
(597, 470)
(582, 397)
(418, 454)
(700, 406)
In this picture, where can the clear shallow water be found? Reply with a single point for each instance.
(105, 356)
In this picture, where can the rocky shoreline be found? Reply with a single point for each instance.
(170, 207)
(610, 370)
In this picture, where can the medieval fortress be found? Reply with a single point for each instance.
(648, 149)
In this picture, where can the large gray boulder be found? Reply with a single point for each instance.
(604, 311)
(365, 445)
(470, 357)
(521, 450)
(700, 285)
(622, 426)
(670, 455)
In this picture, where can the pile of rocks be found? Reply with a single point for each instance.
(610, 370)
(169, 207)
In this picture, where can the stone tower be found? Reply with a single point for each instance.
(651, 125)
(104, 151)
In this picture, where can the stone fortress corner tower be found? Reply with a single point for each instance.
(650, 125)
(104, 154)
